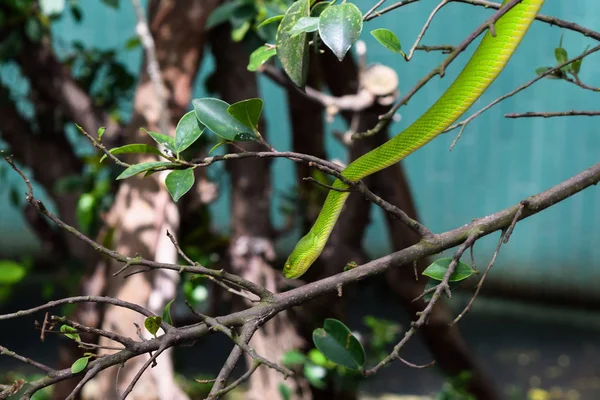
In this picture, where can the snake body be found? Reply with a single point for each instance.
(488, 60)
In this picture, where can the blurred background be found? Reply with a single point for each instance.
(532, 334)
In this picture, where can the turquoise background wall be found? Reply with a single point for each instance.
(496, 163)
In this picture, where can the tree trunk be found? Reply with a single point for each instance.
(143, 211)
(251, 248)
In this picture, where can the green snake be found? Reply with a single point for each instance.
(489, 59)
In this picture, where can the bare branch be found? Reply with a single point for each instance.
(570, 113)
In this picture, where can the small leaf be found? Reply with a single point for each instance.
(318, 8)
(152, 324)
(101, 132)
(285, 391)
(293, 358)
(268, 21)
(260, 56)
(136, 148)
(293, 51)
(238, 34)
(339, 345)
(80, 365)
(111, 3)
(188, 130)
(561, 55)
(70, 332)
(133, 43)
(167, 313)
(85, 208)
(11, 272)
(553, 75)
(305, 24)
(216, 146)
(576, 66)
(221, 14)
(388, 39)
(142, 167)
(315, 374)
(247, 112)
(318, 358)
(179, 182)
(213, 113)
(160, 138)
(340, 27)
(438, 269)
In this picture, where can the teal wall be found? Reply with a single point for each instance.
(496, 163)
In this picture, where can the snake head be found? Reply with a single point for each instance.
(304, 255)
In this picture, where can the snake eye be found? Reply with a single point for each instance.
(287, 267)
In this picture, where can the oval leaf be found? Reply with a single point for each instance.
(268, 21)
(167, 313)
(179, 182)
(339, 345)
(137, 168)
(340, 27)
(221, 14)
(152, 324)
(165, 140)
(438, 269)
(305, 24)
(260, 56)
(11, 272)
(213, 113)
(70, 332)
(247, 112)
(188, 130)
(79, 365)
(388, 39)
(133, 148)
(293, 51)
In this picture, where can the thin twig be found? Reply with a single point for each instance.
(480, 283)
(326, 186)
(6, 352)
(424, 29)
(570, 113)
(372, 9)
(143, 368)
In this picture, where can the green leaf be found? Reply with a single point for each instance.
(318, 358)
(213, 113)
(318, 8)
(85, 211)
(216, 146)
(305, 24)
(260, 56)
(179, 182)
(70, 332)
(553, 75)
(111, 3)
(340, 27)
(293, 358)
(152, 324)
(576, 66)
(293, 51)
(339, 345)
(11, 272)
(167, 313)
(133, 43)
(561, 55)
(388, 39)
(438, 269)
(315, 374)
(285, 391)
(188, 130)
(238, 34)
(160, 138)
(80, 365)
(101, 132)
(142, 167)
(221, 14)
(133, 148)
(247, 112)
(268, 21)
